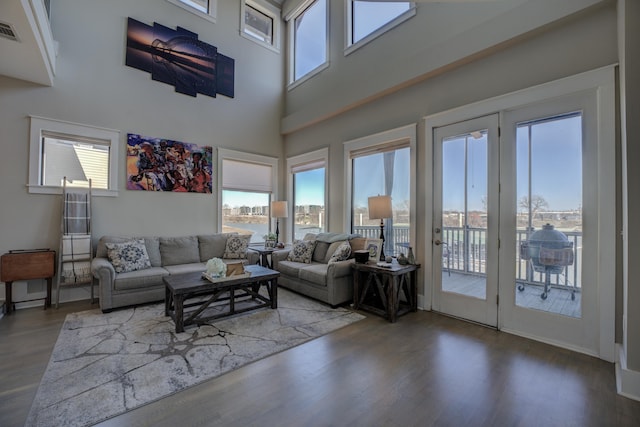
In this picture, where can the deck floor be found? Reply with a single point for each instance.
(558, 300)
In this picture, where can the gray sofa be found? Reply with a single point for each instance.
(330, 282)
(167, 255)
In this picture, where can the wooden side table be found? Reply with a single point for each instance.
(264, 254)
(26, 265)
(377, 289)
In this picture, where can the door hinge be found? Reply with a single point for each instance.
(499, 131)
(498, 299)
(498, 243)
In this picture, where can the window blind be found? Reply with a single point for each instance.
(238, 175)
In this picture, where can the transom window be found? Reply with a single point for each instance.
(308, 40)
(203, 8)
(260, 22)
(367, 20)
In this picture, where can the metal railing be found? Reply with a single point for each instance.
(464, 251)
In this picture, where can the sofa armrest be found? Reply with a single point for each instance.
(103, 270)
(279, 255)
(339, 269)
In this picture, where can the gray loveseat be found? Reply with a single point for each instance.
(330, 282)
(167, 255)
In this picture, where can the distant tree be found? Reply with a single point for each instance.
(537, 204)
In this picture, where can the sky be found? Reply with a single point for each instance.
(556, 166)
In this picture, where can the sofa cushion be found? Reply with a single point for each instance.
(320, 251)
(179, 250)
(333, 247)
(151, 243)
(236, 246)
(315, 273)
(290, 268)
(140, 279)
(357, 244)
(185, 268)
(128, 256)
(213, 245)
(302, 251)
(342, 253)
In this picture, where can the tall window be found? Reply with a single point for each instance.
(203, 8)
(367, 19)
(60, 150)
(260, 22)
(248, 182)
(383, 164)
(308, 38)
(308, 179)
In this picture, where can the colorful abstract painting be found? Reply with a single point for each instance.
(157, 164)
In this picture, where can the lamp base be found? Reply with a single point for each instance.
(382, 256)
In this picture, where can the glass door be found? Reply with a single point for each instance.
(465, 235)
(550, 209)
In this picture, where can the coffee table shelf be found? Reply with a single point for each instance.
(189, 290)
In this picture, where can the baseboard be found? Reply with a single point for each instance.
(627, 381)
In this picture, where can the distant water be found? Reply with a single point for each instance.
(258, 230)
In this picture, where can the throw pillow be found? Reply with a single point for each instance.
(342, 253)
(128, 256)
(302, 251)
(236, 247)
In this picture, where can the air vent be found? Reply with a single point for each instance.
(7, 31)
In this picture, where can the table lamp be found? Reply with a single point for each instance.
(279, 210)
(380, 208)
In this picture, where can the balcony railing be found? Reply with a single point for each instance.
(464, 251)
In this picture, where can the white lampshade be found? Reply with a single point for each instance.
(380, 207)
(279, 209)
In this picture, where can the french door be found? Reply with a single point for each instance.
(519, 225)
(465, 219)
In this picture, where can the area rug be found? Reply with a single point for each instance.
(106, 364)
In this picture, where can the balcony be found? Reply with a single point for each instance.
(464, 259)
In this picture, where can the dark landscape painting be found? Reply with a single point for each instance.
(177, 57)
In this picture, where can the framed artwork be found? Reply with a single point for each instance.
(178, 58)
(373, 246)
(157, 164)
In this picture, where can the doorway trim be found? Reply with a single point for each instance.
(602, 80)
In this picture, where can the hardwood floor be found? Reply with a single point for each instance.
(424, 370)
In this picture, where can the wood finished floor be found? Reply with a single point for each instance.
(424, 370)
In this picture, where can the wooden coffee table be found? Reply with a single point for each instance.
(189, 297)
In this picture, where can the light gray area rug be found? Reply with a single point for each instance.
(106, 364)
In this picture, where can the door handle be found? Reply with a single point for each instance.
(437, 242)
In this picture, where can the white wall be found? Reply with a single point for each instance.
(438, 37)
(94, 87)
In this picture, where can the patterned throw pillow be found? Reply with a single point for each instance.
(237, 246)
(342, 253)
(302, 251)
(128, 256)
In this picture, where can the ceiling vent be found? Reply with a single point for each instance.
(7, 31)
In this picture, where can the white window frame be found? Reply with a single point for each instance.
(269, 10)
(240, 156)
(40, 125)
(290, 19)
(294, 162)
(210, 16)
(390, 137)
(350, 46)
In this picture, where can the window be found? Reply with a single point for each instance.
(368, 20)
(79, 153)
(248, 183)
(383, 164)
(308, 192)
(308, 40)
(260, 22)
(204, 8)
